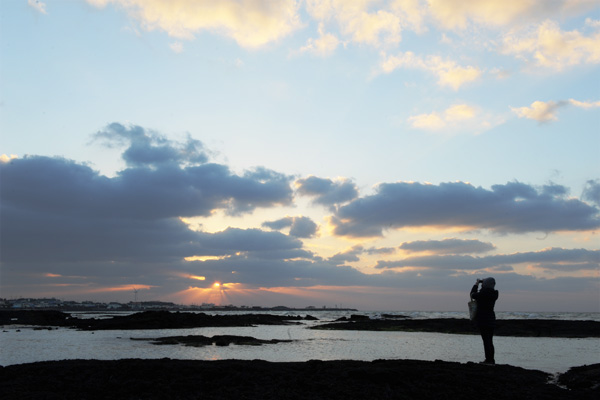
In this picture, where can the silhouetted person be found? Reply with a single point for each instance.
(485, 318)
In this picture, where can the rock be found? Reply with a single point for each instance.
(256, 379)
(504, 327)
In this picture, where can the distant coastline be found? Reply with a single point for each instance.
(91, 306)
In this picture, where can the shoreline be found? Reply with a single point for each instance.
(149, 320)
(256, 379)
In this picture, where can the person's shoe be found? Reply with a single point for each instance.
(488, 362)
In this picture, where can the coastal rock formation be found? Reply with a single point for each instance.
(218, 340)
(145, 320)
(504, 327)
(237, 379)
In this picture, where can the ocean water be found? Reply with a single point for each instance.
(20, 344)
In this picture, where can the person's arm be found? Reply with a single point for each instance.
(474, 292)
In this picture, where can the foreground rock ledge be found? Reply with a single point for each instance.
(236, 379)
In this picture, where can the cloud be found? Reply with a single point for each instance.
(547, 111)
(455, 14)
(252, 24)
(511, 208)
(540, 111)
(452, 116)
(591, 192)
(550, 47)
(447, 246)
(37, 5)
(63, 188)
(448, 72)
(148, 148)
(300, 227)
(381, 27)
(458, 14)
(324, 46)
(177, 47)
(555, 258)
(326, 191)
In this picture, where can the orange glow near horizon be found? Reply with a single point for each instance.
(121, 288)
(202, 258)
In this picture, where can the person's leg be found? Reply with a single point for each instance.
(487, 334)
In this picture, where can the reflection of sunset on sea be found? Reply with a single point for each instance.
(377, 154)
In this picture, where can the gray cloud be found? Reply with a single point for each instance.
(326, 191)
(301, 227)
(56, 209)
(591, 192)
(576, 259)
(447, 246)
(149, 148)
(62, 187)
(511, 208)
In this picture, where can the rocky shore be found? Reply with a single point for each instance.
(236, 379)
(177, 320)
(143, 320)
(504, 327)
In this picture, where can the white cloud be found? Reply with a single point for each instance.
(250, 23)
(584, 104)
(177, 47)
(448, 119)
(355, 21)
(455, 14)
(323, 46)
(448, 72)
(539, 111)
(547, 111)
(548, 46)
(37, 5)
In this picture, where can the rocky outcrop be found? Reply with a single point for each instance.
(217, 340)
(504, 327)
(145, 320)
(236, 379)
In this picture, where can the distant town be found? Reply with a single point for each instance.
(64, 305)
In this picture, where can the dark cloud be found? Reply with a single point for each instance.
(301, 227)
(347, 256)
(538, 259)
(62, 187)
(326, 191)
(511, 208)
(447, 246)
(380, 250)
(148, 148)
(57, 209)
(591, 192)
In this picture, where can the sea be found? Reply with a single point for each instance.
(26, 344)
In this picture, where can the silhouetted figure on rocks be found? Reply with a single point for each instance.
(485, 318)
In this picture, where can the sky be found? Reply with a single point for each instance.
(378, 155)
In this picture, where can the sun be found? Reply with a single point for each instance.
(217, 285)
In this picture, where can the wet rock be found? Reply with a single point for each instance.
(504, 327)
(144, 320)
(237, 379)
(217, 340)
(585, 378)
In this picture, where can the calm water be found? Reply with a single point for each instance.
(24, 344)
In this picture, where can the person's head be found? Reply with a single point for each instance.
(488, 283)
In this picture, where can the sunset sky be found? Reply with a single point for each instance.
(379, 155)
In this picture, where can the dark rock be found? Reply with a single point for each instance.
(236, 379)
(144, 320)
(504, 327)
(217, 340)
(585, 378)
